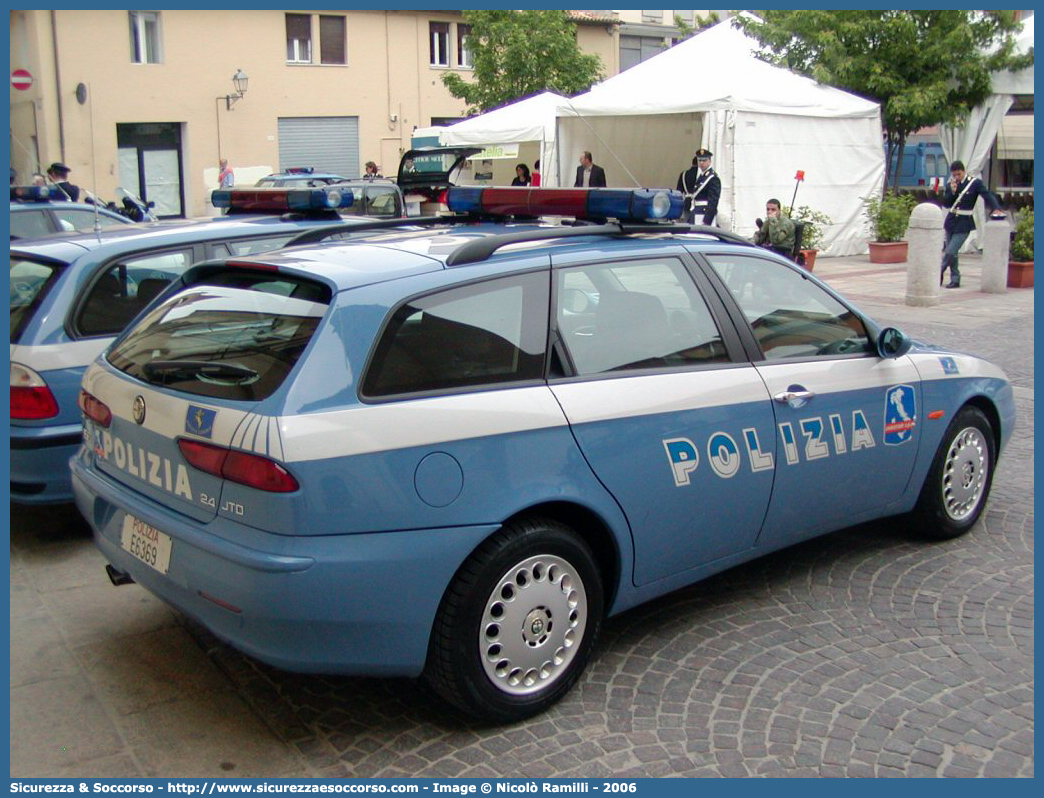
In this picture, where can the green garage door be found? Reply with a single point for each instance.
(326, 143)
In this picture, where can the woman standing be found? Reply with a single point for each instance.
(521, 176)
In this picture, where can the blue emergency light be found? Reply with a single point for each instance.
(283, 200)
(37, 194)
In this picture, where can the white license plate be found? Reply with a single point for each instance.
(146, 543)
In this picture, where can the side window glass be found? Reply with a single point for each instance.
(78, 219)
(26, 224)
(790, 315)
(637, 315)
(218, 250)
(257, 245)
(482, 334)
(125, 288)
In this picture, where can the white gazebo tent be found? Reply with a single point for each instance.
(531, 120)
(763, 124)
(971, 143)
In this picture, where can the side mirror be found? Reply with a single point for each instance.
(892, 343)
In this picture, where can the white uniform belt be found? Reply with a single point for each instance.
(962, 213)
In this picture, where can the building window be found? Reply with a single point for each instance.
(438, 40)
(463, 51)
(652, 16)
(299, 38)
(635, 49)
(332, 46)
(145, 37)
(685, 16)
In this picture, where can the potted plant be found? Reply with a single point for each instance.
(812, 236)
(889, 217)
(1020, 267)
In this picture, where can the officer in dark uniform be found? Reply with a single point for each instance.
(59, 175)
(959, 199)
(702, 189)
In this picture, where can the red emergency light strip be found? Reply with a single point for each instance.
(534, 202)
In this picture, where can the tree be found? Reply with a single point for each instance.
(686, 31)
(517, 54)
(923, 67)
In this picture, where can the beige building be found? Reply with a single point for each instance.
(146, 99)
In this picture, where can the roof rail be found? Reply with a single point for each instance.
(319, 233)
(480, 249)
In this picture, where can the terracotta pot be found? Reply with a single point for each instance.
(1020, 274)
(810, 258)
(888, 251)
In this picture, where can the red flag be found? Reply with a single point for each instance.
(800, 175)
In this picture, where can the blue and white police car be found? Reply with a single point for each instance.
(71, 294)
(299, 177)
(42, 210)
(452, 451)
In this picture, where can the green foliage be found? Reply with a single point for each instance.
(686, 31)
(815, 221)
(517, 54)
(1022, 246)
(925, 67)
(889, 217)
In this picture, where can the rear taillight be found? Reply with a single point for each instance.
(95, 409)
(31, 399)
(237, 466)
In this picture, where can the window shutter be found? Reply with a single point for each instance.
(332, 40)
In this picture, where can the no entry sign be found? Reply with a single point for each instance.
(21, 79)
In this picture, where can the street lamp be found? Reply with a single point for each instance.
(239, 80)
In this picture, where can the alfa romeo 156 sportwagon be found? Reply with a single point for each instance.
(451, 450)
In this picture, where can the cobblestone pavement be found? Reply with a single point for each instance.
(863, 653)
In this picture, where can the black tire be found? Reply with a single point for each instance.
(501, 661)
(958, 484)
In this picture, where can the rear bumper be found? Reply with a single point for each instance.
(359, 604)
(40, 463)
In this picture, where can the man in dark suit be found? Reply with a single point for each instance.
(588, 173)
(702, 189)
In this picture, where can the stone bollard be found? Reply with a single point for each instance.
(995, 244)
(925, 235)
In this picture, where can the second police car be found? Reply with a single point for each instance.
(452, 452)
(71, 294)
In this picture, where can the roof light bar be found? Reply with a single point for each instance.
(608, 203)
(300, 170)
(261, 200)
(36, 193)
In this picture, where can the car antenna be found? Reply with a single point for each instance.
(97, 217)
(601, 141)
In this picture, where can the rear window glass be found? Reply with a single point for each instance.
(375, 201)
(30, 281)
(237, 336)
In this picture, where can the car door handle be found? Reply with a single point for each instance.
(794, 398)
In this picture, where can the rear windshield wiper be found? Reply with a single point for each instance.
(203, 369)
